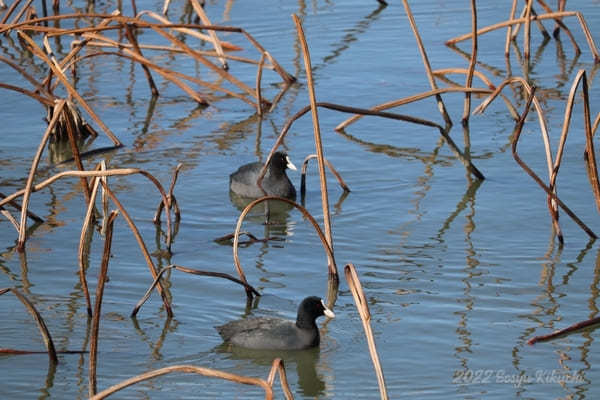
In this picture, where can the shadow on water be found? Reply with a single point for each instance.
(310, 382)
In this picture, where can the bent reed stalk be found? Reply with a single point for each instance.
(192, 271)
(47, 338)
(516, 135)
(190, 369)
(332, 268)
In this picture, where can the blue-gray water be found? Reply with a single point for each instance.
(458, 274)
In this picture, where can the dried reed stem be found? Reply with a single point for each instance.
(259, 110)
(517, 21)
(411, 99)
(172, 76)
(444, 71)
(187, 369)
(213, 35)
(589, 154)
(25, 25)
(538, 108)
(25, 75)
(208, 53)
(529, 171)
(472, 63)
(76, 48)
(22, 11)
(166, 74)
(561, 7)
(157, 28)
(115, 172)
(198, 57)
(54, 178)
(70, 123)
(527, 33)
(513, 9)
(16, 205)
(192, 32)
(34, 164)
(400, 117)
(193, 271)
(45, 101)
(40, 54)
(596, 123)
(365, 316)
(142, 245)
(432, 83)
(332, 268)
(104, 182)
(552, 207)
(82, 239)
(279, 366)
(98, 304)
(170, 197)
(38, 320)
(317, 135)
(560, 332)
(136, 49)
(10, 218)
(560, 24)
(339, 178)
(9, 12)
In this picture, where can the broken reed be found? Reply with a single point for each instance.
(365, 316)
(93, 36)
(512, 29)
(556, 16)
(580, 80)
(277, 366)
(97, 182)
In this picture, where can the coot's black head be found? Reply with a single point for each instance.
(310, 309)
(280, 161)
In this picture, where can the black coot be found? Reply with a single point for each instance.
(275, 182)
(265, 333)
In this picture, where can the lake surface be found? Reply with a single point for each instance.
(459, 274)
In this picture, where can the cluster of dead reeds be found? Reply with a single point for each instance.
(64, 119)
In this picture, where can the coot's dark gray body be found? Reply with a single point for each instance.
(275, 182)
(278, 334)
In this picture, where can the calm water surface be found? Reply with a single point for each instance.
(459, 274)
